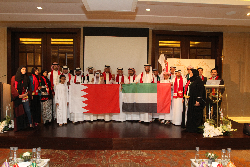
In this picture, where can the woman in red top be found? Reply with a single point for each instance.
(21, 93)
(35, 105)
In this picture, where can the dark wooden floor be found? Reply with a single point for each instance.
(100, 135)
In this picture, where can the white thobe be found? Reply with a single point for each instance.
(130, 79)
(55, 77)
(172, 76)
(91, 76)
(107, 77)
(61, 97)
(155, 79)
(55, 82)
(147, 78)
(177, 105)
(78, 79)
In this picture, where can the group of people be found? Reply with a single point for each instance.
(48, 96)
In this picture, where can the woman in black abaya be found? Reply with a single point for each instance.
(196, 102)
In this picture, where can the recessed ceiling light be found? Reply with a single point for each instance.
(148, 10)
(39, 7)
(248, 14)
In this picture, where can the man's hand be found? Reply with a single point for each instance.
(57, 104)
(67, 103)
(68, 83)
(197, 103)
(182, 100)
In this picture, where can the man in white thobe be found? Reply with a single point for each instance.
(53, 77)
(179, 82)
(145, 77)
(77, 79)
(89, 78)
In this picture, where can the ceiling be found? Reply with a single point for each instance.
(189, 15)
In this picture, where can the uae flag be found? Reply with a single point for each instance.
(95, 99)
(146, 97)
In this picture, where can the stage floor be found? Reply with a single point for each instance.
(100, 135)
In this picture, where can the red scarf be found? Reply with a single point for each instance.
(51, 77)
(133, 78)
(141, 81)
(104, 75)
(69, 76)
(117, 79)
(216, 78)
(35, 84)
(178, 91)
(186, 87)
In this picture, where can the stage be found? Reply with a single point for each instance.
(100, 135)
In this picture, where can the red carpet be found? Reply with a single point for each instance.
(86, 158)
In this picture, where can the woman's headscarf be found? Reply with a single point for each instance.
(22, 79)
(43, 72)
(195, 75)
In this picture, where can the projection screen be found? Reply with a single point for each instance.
(117, 52)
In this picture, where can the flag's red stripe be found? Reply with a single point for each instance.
(163, 97)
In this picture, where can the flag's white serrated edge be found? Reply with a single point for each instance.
(84, 99)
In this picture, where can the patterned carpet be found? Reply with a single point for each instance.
(127, 158)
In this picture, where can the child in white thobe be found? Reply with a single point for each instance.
(62, 101)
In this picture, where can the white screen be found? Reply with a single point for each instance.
(117, 52)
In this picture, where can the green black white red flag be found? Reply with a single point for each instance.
(146, 97)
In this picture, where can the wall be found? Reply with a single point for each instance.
(3, 54)
(236, 70)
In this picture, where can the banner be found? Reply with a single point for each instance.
(94, 98)
(146, 97)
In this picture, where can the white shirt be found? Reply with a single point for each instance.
(130, 79)
(78, 78)
(147, 78)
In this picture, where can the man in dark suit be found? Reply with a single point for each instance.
(215, 76)
(204, 79)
